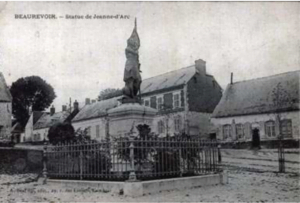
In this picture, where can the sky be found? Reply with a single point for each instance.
(81, 57)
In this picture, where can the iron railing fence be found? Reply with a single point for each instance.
(132, 158)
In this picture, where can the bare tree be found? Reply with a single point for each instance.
(281, 101)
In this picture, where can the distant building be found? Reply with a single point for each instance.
(249, 105)
(93, 118)
(185, 99)
(38, 124)
(5, 110)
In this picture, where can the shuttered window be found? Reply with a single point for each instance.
(97, 131)
(177, 123)
(159, 103)
(182, 98)
(176, 101)
(161, 127)
(239, 131)
(227, 132)
(147, 103)
(270, 128)
(168, 101)
(286, 128)
(88, 131)
(153, 102)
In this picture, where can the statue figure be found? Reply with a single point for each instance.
(132, 77)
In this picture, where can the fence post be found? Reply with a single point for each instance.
(219, 154)
(281, 157)
(180, 161)
(45, 162)
(80, 164)
(132, 175)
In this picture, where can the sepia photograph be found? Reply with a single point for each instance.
(149, 101)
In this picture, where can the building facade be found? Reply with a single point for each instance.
(184, 98)
(5, 110)
(93, 118)
(38, 124)
(266, 104)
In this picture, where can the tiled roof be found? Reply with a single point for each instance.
(4, 91)
(169, 79)
(255, 96)
(96, 109)
(36, 115)
(47, 120)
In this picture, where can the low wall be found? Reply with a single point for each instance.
(140, 188)
(14, 161)
(268, 144)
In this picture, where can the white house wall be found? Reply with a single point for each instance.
(27, 136)
(258, 120)
(5, 119)
(199, 123)
(92, 123)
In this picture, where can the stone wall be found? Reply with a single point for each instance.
(14, 161)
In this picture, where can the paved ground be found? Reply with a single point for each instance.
(244, 185)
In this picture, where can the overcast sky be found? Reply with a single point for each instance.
(81, 57)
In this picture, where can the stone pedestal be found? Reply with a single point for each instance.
(124, 119)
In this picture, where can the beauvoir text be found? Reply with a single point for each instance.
(35, 16)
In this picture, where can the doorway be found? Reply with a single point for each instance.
(255, 138)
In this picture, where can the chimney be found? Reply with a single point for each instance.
(200, 66)
(231, 78)
(64, 108)
(93, 101)
(76, 105)
(87, 101)
(52, 110)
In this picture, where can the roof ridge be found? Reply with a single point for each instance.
(261, 78)
(169, 72)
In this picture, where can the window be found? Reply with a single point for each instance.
(177, 123)
(2, 131)
(176, 101)
(286, 128)
(88, 131)
(160, 103)
(161, 127)
(227, 131)
(36, 137)
(239, 130)
(270, 128)
(147, 103)
(97, 131)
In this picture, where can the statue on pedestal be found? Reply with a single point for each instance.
(132, 76)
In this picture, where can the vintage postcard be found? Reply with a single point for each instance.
(149, 101)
